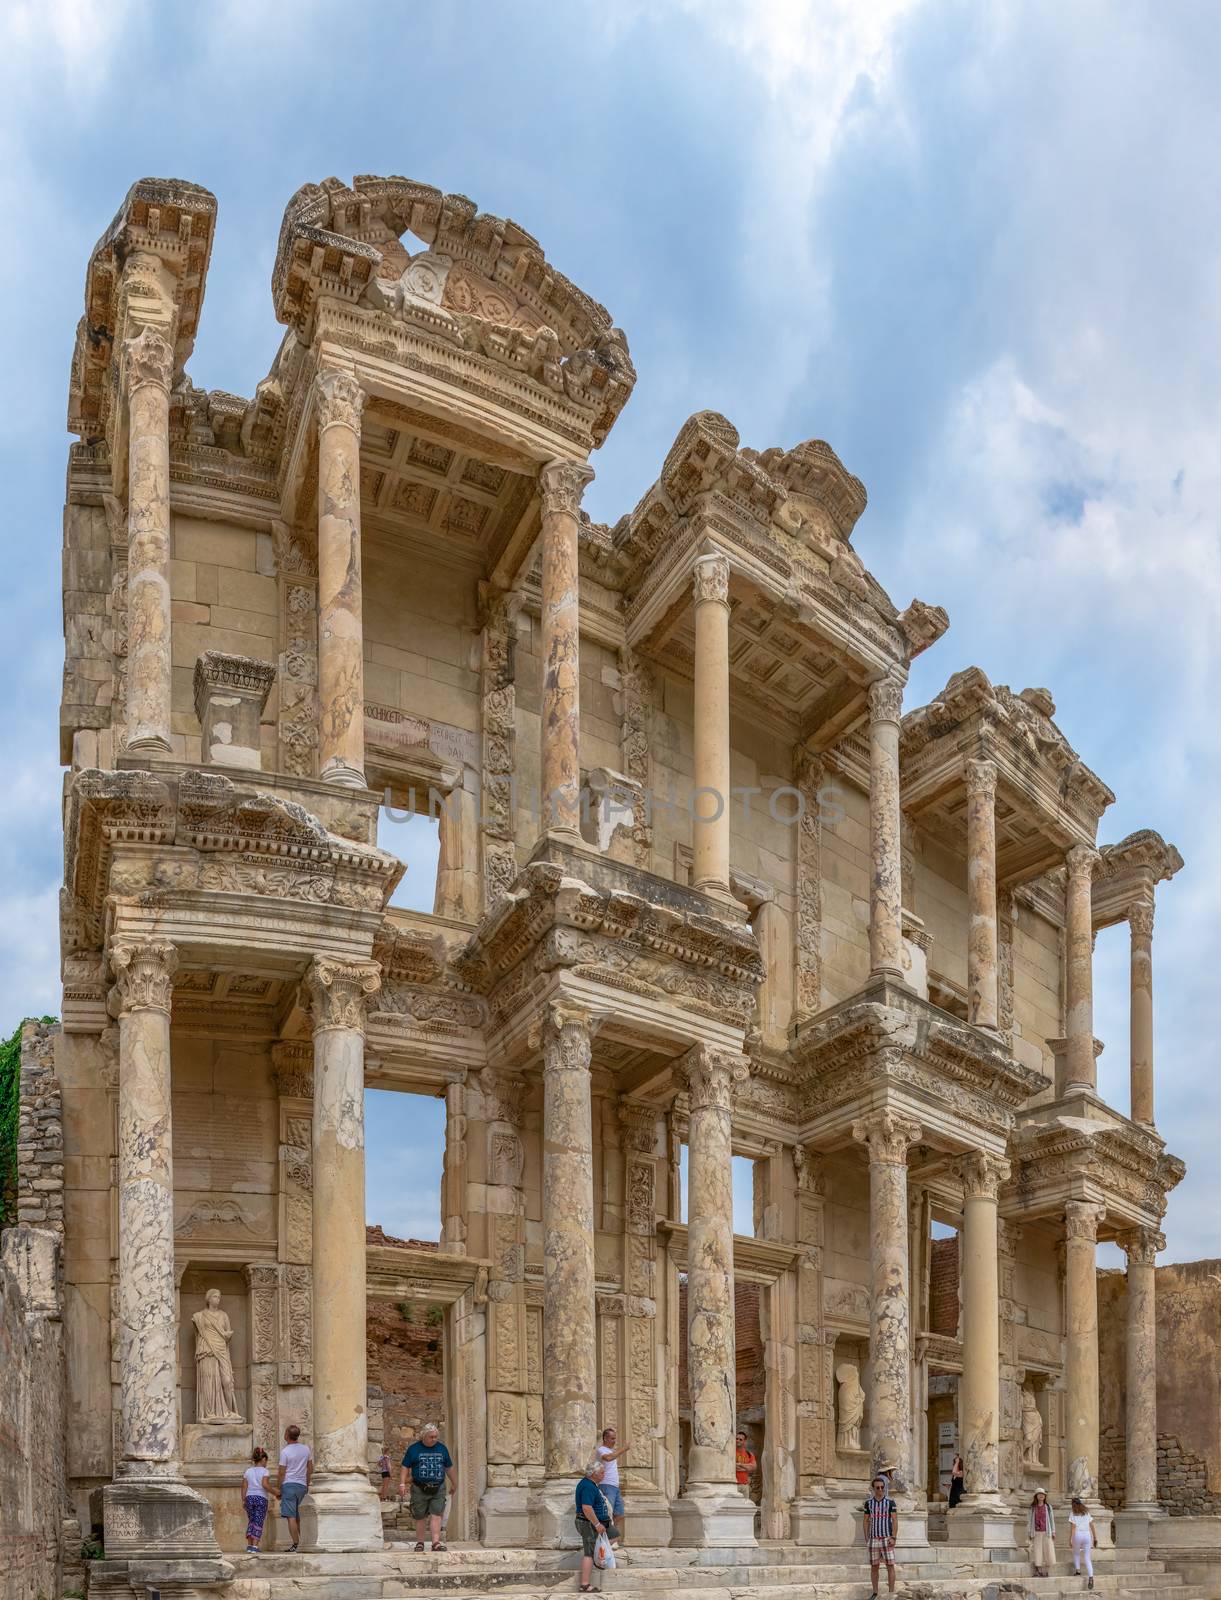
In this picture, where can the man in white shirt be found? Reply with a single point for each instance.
(608, 1453)
(292, 1483)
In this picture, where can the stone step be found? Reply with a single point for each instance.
(945, 1588)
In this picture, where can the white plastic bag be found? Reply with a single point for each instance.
(604, 1556)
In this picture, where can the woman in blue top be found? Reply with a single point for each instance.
(593, 1518)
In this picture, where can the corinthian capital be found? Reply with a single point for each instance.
(150, 359)
(1080, 862)
(1081, 1219)
(1141, 1246)
(981, 778)
(886, 697)
(710, 579)
(562, 484)
(1140, 920)
(338, 991)
(567, 1040)
(709, 1077)
(340, 400)
(144, 974)
(981, 1175)
(887, 1136)
(639, 1124)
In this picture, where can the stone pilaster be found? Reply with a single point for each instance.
(886, 874)
(1140, 921)
(710, 801)
(342, 1509)
(982, 986)
(710, 1510)
(570, 1357)
(813, 1518)
(887, 1136)
(497, 701)
(263, 1286)
(1081, 1348)
(149, 1512)
(341, 671)
(1080, 1061)
(150, 365)
(561, 484)
(1140, 1392)
(981, 1519)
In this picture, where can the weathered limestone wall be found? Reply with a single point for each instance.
(939, 890)
(1037, 1003)
(845, 860)
(40, 1130)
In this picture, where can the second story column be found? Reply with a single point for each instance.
(710, 802)
(341, 666)
(1140, 921)
(886, 868)
(1081, 1347)
(561, 484)
(1080, 1064)
(341, 1511)
(982, 990)
(150, 365)
(710, 1509)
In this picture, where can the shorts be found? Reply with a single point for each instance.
(589, 1534)
(882, 1550)
(291, 1496)
(427, 1500)
(614, 1498)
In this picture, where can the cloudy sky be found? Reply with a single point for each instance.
(975, 246)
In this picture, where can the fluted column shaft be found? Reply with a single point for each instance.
(1081, 1346)
(1140, 921)
(570, 1367)
(561, 484)
(886, 875)
(887, 1137)
(341, 669)
(710, 807)
(982, 991)
(147, 1290)
(982, 1176)
(150, 364)
(1140, 1393)
(1081, 1067)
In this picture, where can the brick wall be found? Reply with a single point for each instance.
(40, 1130)
(1182, 1478)
(943, 1287)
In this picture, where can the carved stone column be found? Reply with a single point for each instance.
(887, 1136)
(710, 1511)
(981, 1519)
(645, 1404)
(886, 876)
(710, 801)
(1140, 1392)
(341, 668)
(148, 1509)
(341, 1511)
(1140, 921)
(982, 988)
(561, 484)
(1080, 1062)
(1081, 1348)
(570, 1356)
(150, 365)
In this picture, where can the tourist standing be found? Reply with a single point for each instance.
(1083, 1537)
(254, 1500)
(744, 1462)
(957, 1479)
(383, 1466)
(593, 1518)
(430, 1465)
(1041, 1525)
(608, 1454)
(881, 1529)
(293, 1481)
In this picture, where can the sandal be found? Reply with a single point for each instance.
(439, 1547)
(419, 1547)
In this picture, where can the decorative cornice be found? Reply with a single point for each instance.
(339, 992)
(144, 975)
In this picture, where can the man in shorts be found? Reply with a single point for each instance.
(881, 1524)
(430, 1465)
(608, 1453)
(293, 1480)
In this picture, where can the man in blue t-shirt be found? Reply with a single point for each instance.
(429, 1463)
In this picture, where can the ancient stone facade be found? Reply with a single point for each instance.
(702, 883)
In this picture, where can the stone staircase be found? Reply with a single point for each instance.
(764, 1572)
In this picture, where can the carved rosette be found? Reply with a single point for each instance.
(1080, 861)
(1141, 1246)
(887, 1136)
(710, 579)
(981, 779)
(1081, 1219)
(981, 1175)
(340, 401)
(1140, 920)
(339, 992)
(561, 484)
(144, 975)
(886, 697)
(150, 359)
(710, 1077)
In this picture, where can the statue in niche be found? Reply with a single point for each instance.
(851, 1407)
(215, 1400)
(1032, 1430)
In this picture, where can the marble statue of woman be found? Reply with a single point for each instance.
(851, 1407)
(215, 1400)
(1032, 1430)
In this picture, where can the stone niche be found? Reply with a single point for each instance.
(196, 1281)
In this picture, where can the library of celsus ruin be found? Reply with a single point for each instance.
(706, 893)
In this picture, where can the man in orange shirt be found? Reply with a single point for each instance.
(746, 1462)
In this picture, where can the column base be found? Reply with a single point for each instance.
(148, 1519)
(148, 744)
(341, 1512)
(504, 1517)
(985, 1522)
(339, 772)
(553, 1515)
(1133, 1526)
(647, 1520)
(712, 1514)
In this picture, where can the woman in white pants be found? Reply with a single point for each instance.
(1083, 1536)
